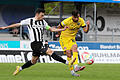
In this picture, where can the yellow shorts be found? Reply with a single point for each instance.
(67, 43)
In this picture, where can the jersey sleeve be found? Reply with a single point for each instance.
(47, 27)
(25, 22)
(64, 23)
(82, 23)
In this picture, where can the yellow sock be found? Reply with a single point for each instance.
(71, 68)
(75, 54)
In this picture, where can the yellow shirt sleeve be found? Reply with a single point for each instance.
(82, 23)
(64, 22)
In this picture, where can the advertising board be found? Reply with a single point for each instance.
(20, 52)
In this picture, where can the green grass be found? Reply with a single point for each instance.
(58, 71)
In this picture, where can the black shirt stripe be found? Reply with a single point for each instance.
(38, 34)
(35, 36)
(37, 29)
(39, 23)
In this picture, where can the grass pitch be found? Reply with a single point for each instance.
(59, 71)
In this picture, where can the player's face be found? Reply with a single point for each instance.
(75, 18)
(40, 16)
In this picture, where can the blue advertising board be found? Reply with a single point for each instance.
(9, 44)
(102, 1)
(56, 45)
(89, 46)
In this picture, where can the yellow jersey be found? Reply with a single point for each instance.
(73, 27)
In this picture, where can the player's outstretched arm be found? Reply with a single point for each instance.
(86, 29)
(58, 33)
(10, 26)
(53, 29)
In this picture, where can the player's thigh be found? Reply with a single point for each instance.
(74, 48)
(64, 42)
(34, 59)
(72, 43)
(36, 46)
(68, 53)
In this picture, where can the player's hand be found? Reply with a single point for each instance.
(2, 28)
(88, 22)
(86, 29)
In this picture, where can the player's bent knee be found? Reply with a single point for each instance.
(33, 61)
(74, 48)
(49, 51)
(68, 53)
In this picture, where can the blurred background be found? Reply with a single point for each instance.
(104, 19)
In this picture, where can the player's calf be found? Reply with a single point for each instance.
(71, 62)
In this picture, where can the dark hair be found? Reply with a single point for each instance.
(38, 10)
(75, 13)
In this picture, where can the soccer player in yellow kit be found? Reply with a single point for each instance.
(67, 38)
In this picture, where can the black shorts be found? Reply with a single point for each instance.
(38, 48)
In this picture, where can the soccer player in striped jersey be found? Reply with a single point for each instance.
(36, 26)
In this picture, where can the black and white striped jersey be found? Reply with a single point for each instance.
(35, 28)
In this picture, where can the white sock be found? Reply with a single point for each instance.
(67, 62)
(72, 72)
(20, 68)
(75, 65)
